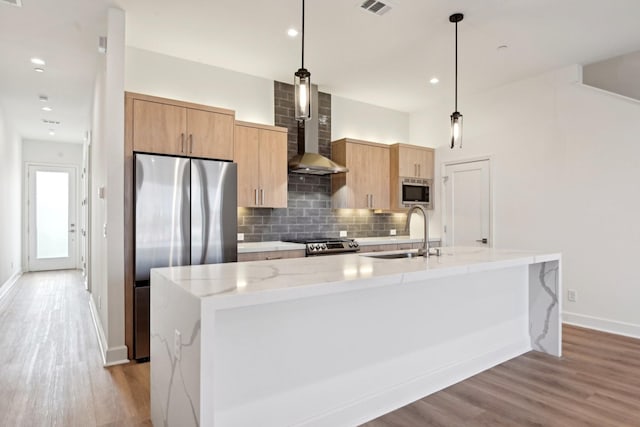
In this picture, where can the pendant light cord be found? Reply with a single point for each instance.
(302, 34)
(456, 97)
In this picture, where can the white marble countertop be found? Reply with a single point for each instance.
(389, 240)
(258, 282)
(248, 247)
(268, 247)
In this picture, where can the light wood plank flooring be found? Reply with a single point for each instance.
(51, 371)
(595, 383)
(51, 374)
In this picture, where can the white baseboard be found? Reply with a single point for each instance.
(110, 356)
(604, 325)
(9, 283)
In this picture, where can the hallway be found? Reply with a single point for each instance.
(51, 372)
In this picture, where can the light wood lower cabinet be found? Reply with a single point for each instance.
(261, 154)
(179, 128)
(366, 185)
(260, 256)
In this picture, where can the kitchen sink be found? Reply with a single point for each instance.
(396, 255)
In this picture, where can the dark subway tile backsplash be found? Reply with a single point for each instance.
(309, 212)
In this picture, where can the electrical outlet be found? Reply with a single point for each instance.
(392, 232)
(343, 233)
(572, 295)
(177, 344)
(240, 237)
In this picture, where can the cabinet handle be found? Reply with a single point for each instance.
(419, 171)
(255, 193)
(191, 143)
(262, 196)
(372, 201)
(182, 142)
(415, 169)
(273, 257)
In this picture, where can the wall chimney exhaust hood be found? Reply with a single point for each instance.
(308, 161)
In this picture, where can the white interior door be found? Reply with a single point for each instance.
(467, 219)
(52, 217)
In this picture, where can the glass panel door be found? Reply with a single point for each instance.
(52, 225)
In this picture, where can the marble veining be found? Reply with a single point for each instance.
(554, 300)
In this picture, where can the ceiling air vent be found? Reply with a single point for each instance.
(17, 3)
(50, 122)
(375, 6)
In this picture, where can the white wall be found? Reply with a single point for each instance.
(59, 153)
(107, 213)
(10, 202)
(170, 77)
(357, 120)
(564, 177)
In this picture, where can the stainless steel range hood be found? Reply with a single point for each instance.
(308, 161)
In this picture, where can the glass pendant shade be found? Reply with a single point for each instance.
(302, 83)
(456, 129)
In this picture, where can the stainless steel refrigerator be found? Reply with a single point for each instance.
(185, 214)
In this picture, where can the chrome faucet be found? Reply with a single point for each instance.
(424, 250)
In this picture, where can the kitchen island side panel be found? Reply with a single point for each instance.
(347, 358)
(175, 358)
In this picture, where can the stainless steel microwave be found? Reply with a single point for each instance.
(415, 191)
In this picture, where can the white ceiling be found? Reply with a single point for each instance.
(383, 60)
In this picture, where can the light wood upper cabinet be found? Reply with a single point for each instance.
(167, 126)
(412, 161)
(366, 185)
(158, 128)
(210, 134)
(261, 154)
(408, 161)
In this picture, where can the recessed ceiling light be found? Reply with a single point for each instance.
(434, 81)
(39, 70)
(51, 132)
(47, 109)
(292, 32)
(37, 61)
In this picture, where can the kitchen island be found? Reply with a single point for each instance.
(339, 340)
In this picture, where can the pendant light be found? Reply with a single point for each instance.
(302, 83)
(456, 117)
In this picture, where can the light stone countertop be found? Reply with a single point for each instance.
(248, 247)
(258, 282)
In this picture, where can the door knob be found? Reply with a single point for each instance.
(484, 240)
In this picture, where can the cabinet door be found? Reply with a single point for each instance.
(377, 174)
(246, 155)
(408, 159)
(159, 128)
(361, 169)
(425, 163)
(273, 169)
(415, 162)
(210, 135)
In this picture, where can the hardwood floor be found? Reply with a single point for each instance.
(595, 383)
(51, 371)
(51, 374)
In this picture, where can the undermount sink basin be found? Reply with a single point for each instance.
(396, 255)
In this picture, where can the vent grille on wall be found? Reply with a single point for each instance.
(375, 6)
(50, 122)
(17, 3)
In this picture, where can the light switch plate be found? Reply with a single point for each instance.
(343, 233)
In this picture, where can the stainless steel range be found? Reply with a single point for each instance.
(328, 246)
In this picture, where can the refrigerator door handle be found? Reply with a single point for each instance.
(199, 213)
